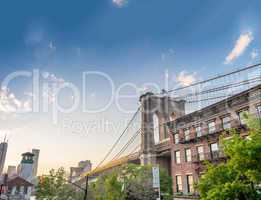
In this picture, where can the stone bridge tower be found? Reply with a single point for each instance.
(165, 108)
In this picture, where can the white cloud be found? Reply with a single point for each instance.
(185, 79)
(17, 103)
(52, 78)
(241, 44)
(254, 54)
(9, 103)
(120, 3)
(27, 105)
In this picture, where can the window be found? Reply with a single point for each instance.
(17, 191)
(25, 190)
(176, 138)
(214, 150)
(22, 190)
(188, 155)
(11, 190)
(226, 122)
(166, 134)
(156, 129)
(258, 110)
(214, 147)
(200, 151)
(241, 116)
(190, 183)
(211, 127)
(198, 131)
(179, 183)
(187, 134)
(177, 157)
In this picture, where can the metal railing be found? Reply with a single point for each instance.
(218, 128)
(214, 155)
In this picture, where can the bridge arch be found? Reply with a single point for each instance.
(156, 128)
(155, 111)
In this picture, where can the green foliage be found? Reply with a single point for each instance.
(55, 187)
(107, 187)
(130, 182)
(240, 177)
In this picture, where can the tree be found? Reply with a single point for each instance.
(240, 177)
(55, 187)
(130, 182)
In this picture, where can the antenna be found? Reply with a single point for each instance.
(5, 138)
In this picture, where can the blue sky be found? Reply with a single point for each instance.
(132, 41)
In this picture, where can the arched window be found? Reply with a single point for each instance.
(156, 129)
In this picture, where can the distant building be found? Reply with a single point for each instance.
(3, 151)
(11, 171)
(18, 168)
(27, 166)
(83, 166)
(36, 153)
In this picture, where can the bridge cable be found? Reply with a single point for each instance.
(225, 87)
(132, 139)
(215, 78)
(118, 140)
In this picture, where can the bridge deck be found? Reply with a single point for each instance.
(160, 148)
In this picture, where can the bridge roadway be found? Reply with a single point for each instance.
(162, 153)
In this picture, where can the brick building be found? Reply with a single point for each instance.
(195, 137)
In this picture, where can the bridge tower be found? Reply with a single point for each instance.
(165, 108)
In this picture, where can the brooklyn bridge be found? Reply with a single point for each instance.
(148, 137)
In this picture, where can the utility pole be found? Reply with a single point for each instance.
(86, 188)
(81, 188)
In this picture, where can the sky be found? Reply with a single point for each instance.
(137, 43)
